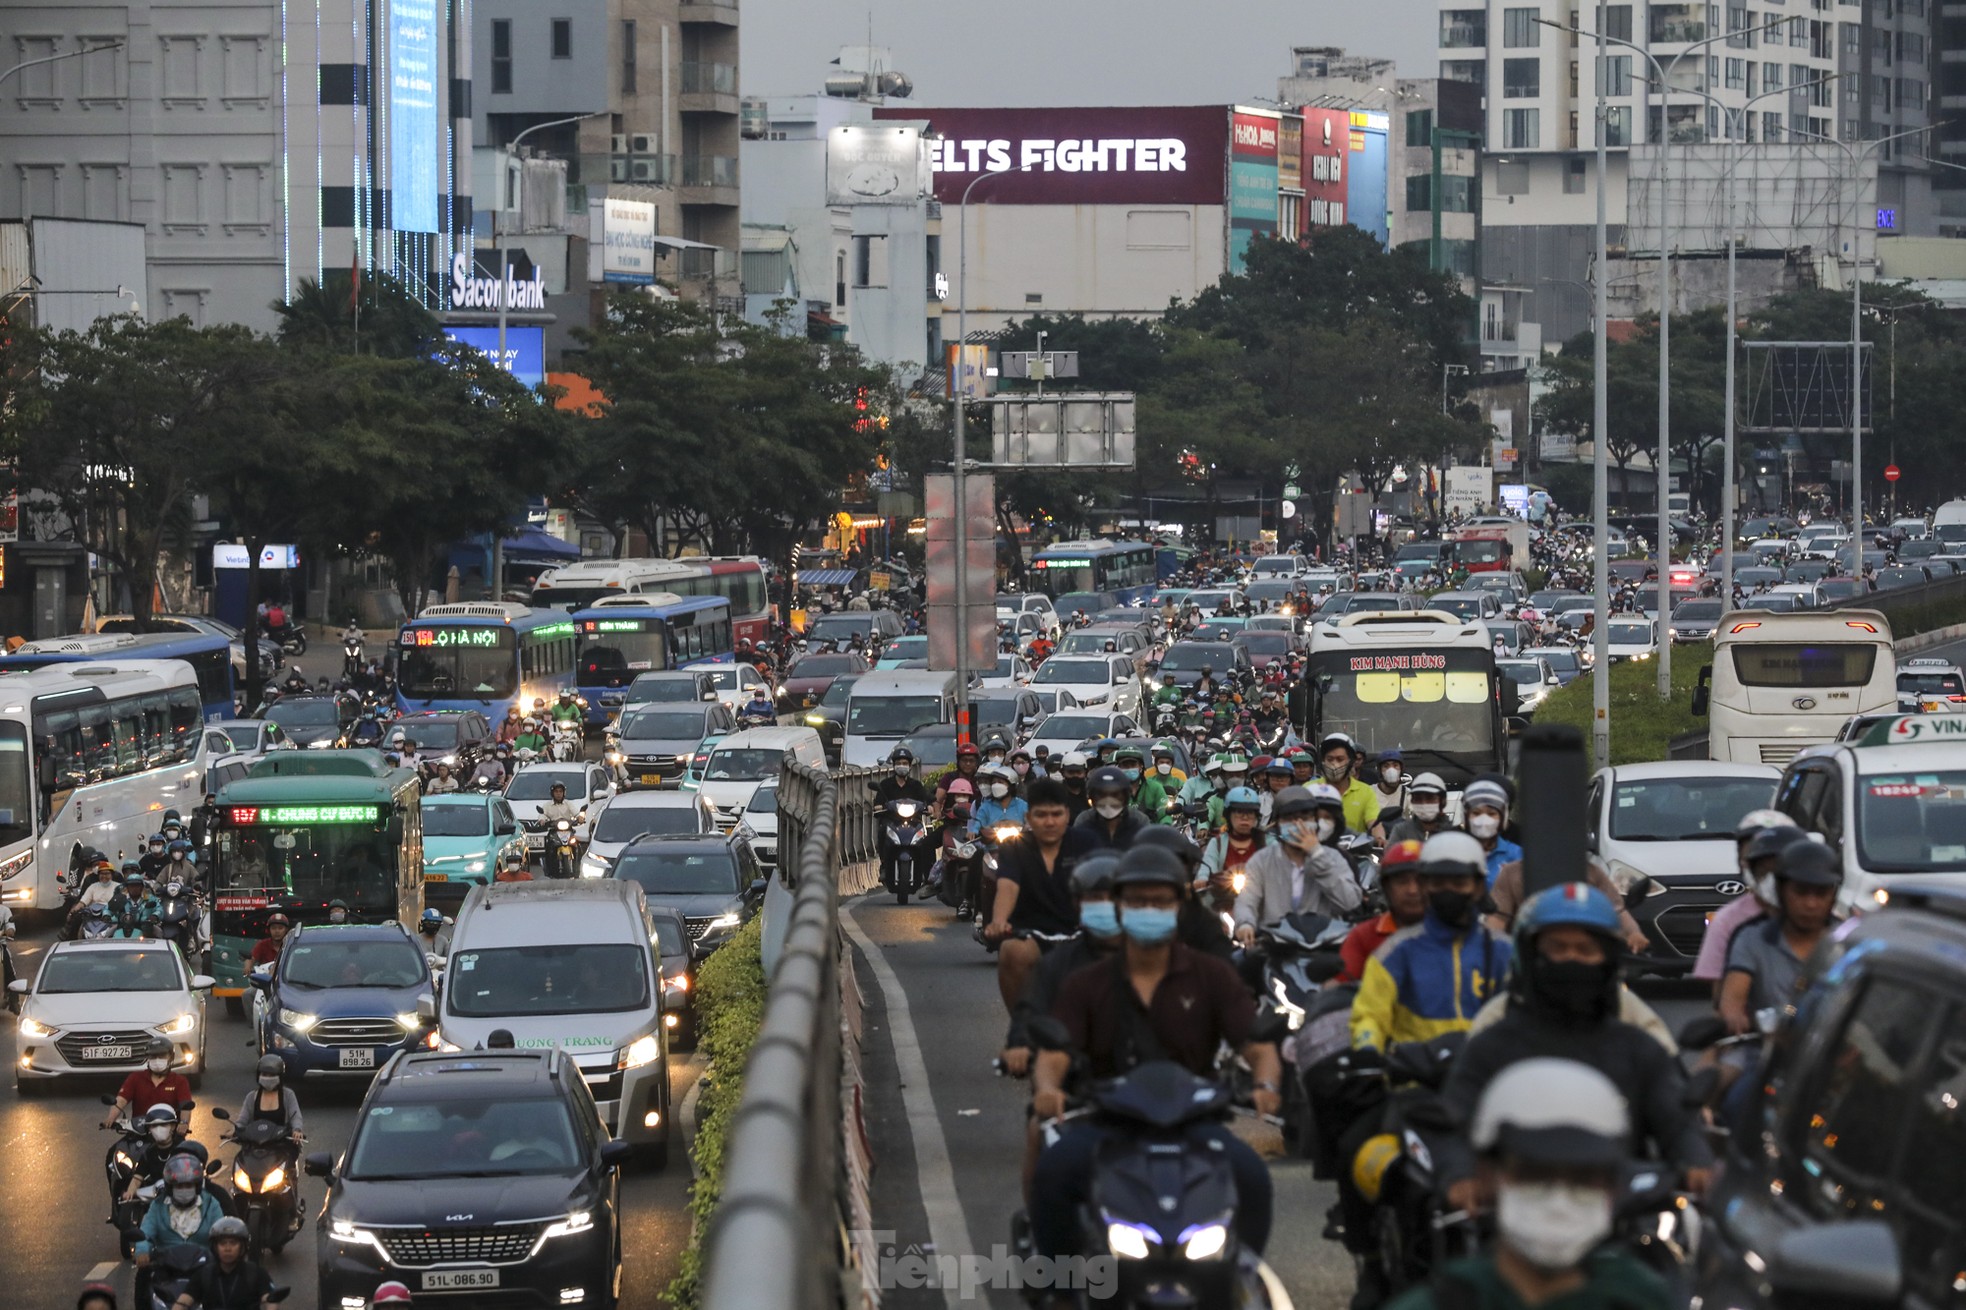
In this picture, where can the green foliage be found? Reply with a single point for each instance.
(1642, 725)
(383, 318)
(730, 1008)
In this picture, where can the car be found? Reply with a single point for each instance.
(1095, 681)
(1808, 595)
(1751, 576)
(343, 998)
(1694, 620)
(1831, 591)
(1567, 662)
(715, 881)
(1470, 606)
(806, 681)
(95, 1006)
(1509, 585)
(636, 814)
(1920, 549)
(1183, 662)
(1885, 801)
(1266, 647)
(1269, 595)
(1514, 634)
(1069, 730)
(1208, 600)
(662, 687)
(472, 1175)
(1357, 602)
(736, 683)
(245, 737)
(531, 791)
(934, 748)
(692, 778)
(315, 722)
(1052, 699)
(1012, 711)
(678, 963)
(1012, 670)
(1845, 1185)
(1929, 684)
(902, 649)
(454, 737)
(760, 824)
(828, 717)
(1030, 602)
(1279, 566)
(1534, 681)
(1088, 603)
(739, 763)
(1902, 575)
(1631, 638)
(1126, 639)
(1218, 627)
(1021, 630)
(1548, 598)
(875, 628)
(650, 745)
(466, 836)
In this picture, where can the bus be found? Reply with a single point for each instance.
(621, 637)
(91, 755)
(208, 654)
(1127, 569)
(1419, 680)
(304, 828)
(739, 579)
(483, 655)
(1779, 682)
(576, 586)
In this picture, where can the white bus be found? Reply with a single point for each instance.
(91, 755)
(1779, 682)
(577, 586)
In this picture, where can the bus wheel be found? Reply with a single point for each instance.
(235, 1006)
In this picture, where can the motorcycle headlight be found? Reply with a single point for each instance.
(905, 810)
(184, 1023)
(641, 1051)
(1205, 1241)
(124, 1161)
(616, 757)
(29, 1028)
(298, 1020)
(241, 1181)
(1127, 1241)
(274, 1180)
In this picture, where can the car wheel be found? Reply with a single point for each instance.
(28, 1088)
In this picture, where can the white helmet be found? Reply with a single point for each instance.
(1552, 1111)
(1073, 760)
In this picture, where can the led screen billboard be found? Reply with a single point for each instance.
(413, 121)
(525, 348)
(1365, 180)
(1252, 181)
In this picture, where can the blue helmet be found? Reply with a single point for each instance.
(1242, 798)
(1575, 903)
(1571, 990)
(432, 916)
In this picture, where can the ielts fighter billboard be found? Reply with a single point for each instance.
(1079, 156)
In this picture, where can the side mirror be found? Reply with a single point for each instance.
(756, 889)
(203, 982)
(19, 988)
(1851, 1264)
(616, 1154)
(1703, 691)
(319, 1165)
(260, 978)
(220, 1112)
(426, 1009)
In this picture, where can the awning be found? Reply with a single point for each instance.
(533, 545)
(829, 577)
(682, 243)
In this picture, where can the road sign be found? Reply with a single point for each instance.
(1890, 472)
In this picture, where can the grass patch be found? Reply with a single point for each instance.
(1908, 620)
(1641, 723)
(730, 1007)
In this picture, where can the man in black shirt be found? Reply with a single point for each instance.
(901, 784)
(229, 1281)
(1034, 885)
(1111, 821)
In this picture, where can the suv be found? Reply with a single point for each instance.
(453, 737)
(715, 881)
(1855, 1136)
(343, 998)
(476, 1179)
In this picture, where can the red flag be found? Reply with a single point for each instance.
(355, 278)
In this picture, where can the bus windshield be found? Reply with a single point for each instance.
(1804, 664)
(315, 862)
(613, 659)
(16, 807)
(1059, 576)
(459, 662)
(1437, 703)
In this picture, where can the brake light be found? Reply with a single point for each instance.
(1742, 627)
(1859, 623)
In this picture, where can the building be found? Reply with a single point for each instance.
(256, 144)
(1885, 58)
(1436, 187)
(1326, 76)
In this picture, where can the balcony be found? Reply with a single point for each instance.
(708, 88)
(719, 13)
(709, 180)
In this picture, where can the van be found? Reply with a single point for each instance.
(740, 762)
(883, 708)
(567, 964)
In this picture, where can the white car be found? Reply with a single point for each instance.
(96, 1006)
(760, 822)
(1101, 682)
(531, 790)
(736, 682)
(632, 814)
(1631, 638)
(1030, 602)
(1068, 730)
(1011, 671)
(1534, 681)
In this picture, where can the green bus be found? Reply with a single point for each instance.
(302, 829)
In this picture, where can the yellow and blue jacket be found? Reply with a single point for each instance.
(1427, 980)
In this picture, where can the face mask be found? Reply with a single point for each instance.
(1484, 826)
(1391, 776)
(184, 1196)
(1149, 925)
(336, 916)
(161, 1133)
(1000, 789)
(1100, 918)
(1075, 781)
(1301, 833)
(1337, 772)
(1132, 775)
(1108, 808)
(1572, 987)
(1552, 1225)
(1425, 811)
(269, 1081)
(1455, 909)
(1164, 767)
(1023, 768)
(158, 1065)
(1325, 827)
(1221, 784)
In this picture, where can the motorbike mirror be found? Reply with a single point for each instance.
(1702, 1031)
(260, 978)
(214, 1167)
(220, 1112)
(107, 1099)
(1851, 1263)
(1048, 1034)
(133, 1234)
(186, 1107)
(319, 1165)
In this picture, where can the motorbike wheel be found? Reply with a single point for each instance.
(259, 1234)
(904, 880)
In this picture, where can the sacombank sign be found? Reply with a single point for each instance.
(1100, 155)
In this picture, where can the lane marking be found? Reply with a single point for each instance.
(101, 1273)
(948, 1225)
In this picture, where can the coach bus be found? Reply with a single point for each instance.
(576, 586)
(1779, 682)
(1125, 568)
(483, 655)
(739, 579)
(208, 654)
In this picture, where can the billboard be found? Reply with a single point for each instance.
(1252, 180)
(413, 122)
(1327, 145)
(874, 164)
(1078, 156)
(624, 234)
(525, 348)
(1365, 173)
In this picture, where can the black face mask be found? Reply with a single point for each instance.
(1573, 989)
(1455, 909)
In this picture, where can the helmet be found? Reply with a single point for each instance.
(231, 1227)
(959, 786)
(338, 904)
(161, 1114)
(432, 917)
(1233, 762)
(1772, 841)
(1486, 792)
(270, 1066)
(1279, 767)
(1072, 760)
(1129, 751)
(1108, 777)
(157, 1046)
(1163, 750)
(180, 847)
(183, 1171)
(1453, 855)
(1576, 903)
(1171, 840)
(1094, 873)
(1427, 782)
(1105, 744)
(1293, 801)
(968, 751)
(1755, 821)
(901, 755)
(1401, 857)
(391, 1294)
(1391, 756)
(1325, 796)
(278, 917)
(1811, 864)
(566, 693)
(1243, 798)
(1146, 865)
(1333, 740)
(171, 817)
(1552, 1111)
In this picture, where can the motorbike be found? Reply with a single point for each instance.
(263, 1183)
(1411, 1236)
(177, 920)
(351, 658)
(94, 927)
(293, 638)
(1299, 955)
(565, 746)
(751, 718)
(562, 846)
(907, 833)
(1359, 852)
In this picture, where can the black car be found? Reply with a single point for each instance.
(1847, 1175)
(313, 721)
(477, 1179)
(828, 717)
(1183, 661)
(679, 956)
(1011, 711)
(713, 880)
(453, 737)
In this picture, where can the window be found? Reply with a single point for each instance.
(1911, 93)
(1856, 1120)
(1737, 75)
(1573, 82)
(563, 38)
(1573, 178)
(1753, 68)
(1472, 71)
(1676, 24)
(1853, 38)
(1911, 47)
(1456, 194)
(1617, 75)
(501, 56)
(1463, 28)
(1512, 179)
(870, 261)
(1822, 40)
(1420, 127)
(1522, 79)
(1771, 77)
(839, 279)
(628, 54)
(1880, 47)
(1419, 193)
(1617, 125)
(1737, 27)
(1519, 29)
(1615, 21)
(1521, 129)
(1771, 124)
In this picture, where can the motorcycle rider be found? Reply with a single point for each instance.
(1765, 960)
(530, 738)
(1484, 811)
(1149, 797)
(1071, 772)
(1551, 1136)
(551, 813)
(510, 726)
(1426, 810)
(1166, 772)
(1272, 776)
(164, 1137)
(96, 1296)
(1300, 873)
(273, 1101)
(1406, 905)
(490, 770)
(901, 784)
(266, 951)
(1759, 840)
(1338, 757)
(1023, 765)
(758, 707)
(204, 820)
(1389, 788)
(1034, 885)
(968, 760)
(154, 1084)
(1153, 999)
(229, 1281)
(441, 783)
(1505, 900)
(1001, 803)
(183, 1213)
(1111, 821)
(1209, 788)
(570, 710)
(101, 891)
(1232, 848)
(1565, 1000)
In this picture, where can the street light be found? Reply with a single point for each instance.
(504, 264)
(49, 59)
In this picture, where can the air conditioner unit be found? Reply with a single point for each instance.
(617, 170)
(643, 143)
(644, 170)
(618, 144)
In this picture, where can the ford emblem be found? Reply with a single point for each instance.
(1730, 887)
(1804, 702)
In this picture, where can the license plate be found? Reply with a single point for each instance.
(436, 877)
(651, 779)
(359, 1057)
(536, 840)
(108, 1052)
(458, 1280)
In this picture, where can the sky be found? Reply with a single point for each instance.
(1077, 52)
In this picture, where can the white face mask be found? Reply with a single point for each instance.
(1767, 891)
(269, 1082)
(1325, 827)
(1425, 811)
(1164, 767)
(160, 1133)
(1301, 833)
(1023, 768)
(159, 1065)
(1552, 1225)
(184, 1196)
(999, 790)
(1484, 826)
(1108, 807)
(1391, 776)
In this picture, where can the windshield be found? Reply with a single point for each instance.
(679, 873)
(1794, 664)
(429, 734)
(242, 738)
(305, 712)
(456, 820)
(1073, 727)
(993, 710)
(1685, 809)
(472, 1136)
(1263, 643)
(838, 627)
(661, 689)
(670, 937)
(620, 824)
(1189, 657)
(489, 668)
(16, 807)
(1631, 634)
(308, 963)
(1461, 607)
(1520, 672)
(1085, 643)
(537, 784)
(663, 725)
(891, 716)
(1560, 660)
(837, 692)
(1429, 550)
(1697, 609)
(581, 978)
(763, 801)
(315, 862)
(822, 666)
(905, 648)
(618, 658)
(1357, 604)
(743, 764)
(1439, 703)
(101, 969)
(1055, 671)
(1937, 683)
(1912, 822)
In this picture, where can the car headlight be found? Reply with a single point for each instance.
(409, 1021)
(343, 1231)
(676, 982)
(593, 866)
(29, 1028)
(816, 720)
(1205, 1241)
(184, 1023)
(241, 1181)
(1624, 876)
(577, 1222)
(476, 866)
(724, 922)
(1127, 1241)
(298, 1020)
(641, 1051)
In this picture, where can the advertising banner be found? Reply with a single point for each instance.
(413, 123)
(1073, 156)
(1470, 489)
(1365, 174)
(624, 233)
(968, 369)
(1290, 154)
(1327, 144)
(874, 164)
(1252, 181)
(525, 348)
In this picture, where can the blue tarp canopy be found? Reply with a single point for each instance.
(533, 545)
(828, 577)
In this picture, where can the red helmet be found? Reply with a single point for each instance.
(968, 748)
(391, 1294)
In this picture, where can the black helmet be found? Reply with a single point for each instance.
(1811, 864)
(901, 755)
(1293, 801)
(1150, 866)
(271, 1064)
(156, 1047)
(1772, 841)
(230, 1227)
(1170, 839)
(1094, 873)
(1108, 777)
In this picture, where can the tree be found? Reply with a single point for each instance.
(323, 316)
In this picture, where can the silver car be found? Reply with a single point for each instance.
(96, 1006)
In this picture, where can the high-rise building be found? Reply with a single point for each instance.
(1885, 58)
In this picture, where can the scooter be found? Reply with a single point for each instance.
(1411, 1237)
(263, 1183)
(177, 920)
(562, 845)
(565, 746)
(907, 832)
(351, 658)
